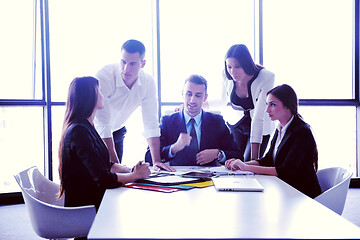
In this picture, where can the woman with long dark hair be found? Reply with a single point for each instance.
(85, 168)
(293, 155)
(245, 87)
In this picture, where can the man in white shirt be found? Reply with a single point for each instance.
(125, 86)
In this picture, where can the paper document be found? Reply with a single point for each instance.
(172, 179)
(219, 170)
(169, 180)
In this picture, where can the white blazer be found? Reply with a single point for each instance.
(261, 123)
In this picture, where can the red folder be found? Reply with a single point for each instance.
(152, 188)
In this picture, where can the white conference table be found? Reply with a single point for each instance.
(280, 212)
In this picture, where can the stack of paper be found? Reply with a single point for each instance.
(169, 182)
(182, 179)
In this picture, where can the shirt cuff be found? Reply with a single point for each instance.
(224, 156)
(104, 131)
(171, 155)
(223, 159)
(150, 133)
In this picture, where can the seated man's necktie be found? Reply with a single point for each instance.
(194, 141)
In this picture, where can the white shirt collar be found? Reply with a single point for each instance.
(283, 129)
(119, 80)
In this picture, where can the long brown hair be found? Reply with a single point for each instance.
(241, 53)
(289, 99)
(80, 104)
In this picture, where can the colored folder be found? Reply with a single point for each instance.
(152, 188)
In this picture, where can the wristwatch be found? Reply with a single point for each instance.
(220, 155)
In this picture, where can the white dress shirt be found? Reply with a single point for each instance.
(281, 134)
(120, 102)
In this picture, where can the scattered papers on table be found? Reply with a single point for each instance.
(169, 180)
(164, 181)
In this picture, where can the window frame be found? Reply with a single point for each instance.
(46, 101)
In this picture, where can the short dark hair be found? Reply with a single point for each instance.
(197, 79)
(134, 46)
(241, 53)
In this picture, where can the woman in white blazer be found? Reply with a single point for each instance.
(245, 87)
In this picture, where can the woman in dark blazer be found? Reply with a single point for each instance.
(293, 153)
(85, 168)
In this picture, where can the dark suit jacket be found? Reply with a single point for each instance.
(85, 166)
(214, 135)
(294, 161)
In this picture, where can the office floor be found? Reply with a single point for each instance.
(15, 223)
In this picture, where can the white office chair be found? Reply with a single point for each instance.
(49, 218)
(334, 183)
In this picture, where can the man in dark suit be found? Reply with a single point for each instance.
(192, 136)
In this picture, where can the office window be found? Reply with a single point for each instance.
(21, 143)
(194, 37)
(308, 44)
(85, 41)
(58, 114)
(21, 127)
(86, 35)
(336, 141)
(18, 50)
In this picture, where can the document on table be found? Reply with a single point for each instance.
(219, 170)
(170, 180)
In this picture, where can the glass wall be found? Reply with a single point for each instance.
(21, 111)
(89, 38)
(307, 44)
(89, 35)
(18, 50)
(336, 142)
(194, 37)
(21, 143)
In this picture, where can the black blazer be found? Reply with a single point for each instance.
(214, 135)
(294, 161)
(85, 166)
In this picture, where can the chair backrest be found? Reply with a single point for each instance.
(334, 183)
(49, 218)
(38, 186)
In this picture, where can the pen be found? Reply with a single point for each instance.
(133, 169)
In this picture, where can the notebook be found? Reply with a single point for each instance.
(241, 184)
